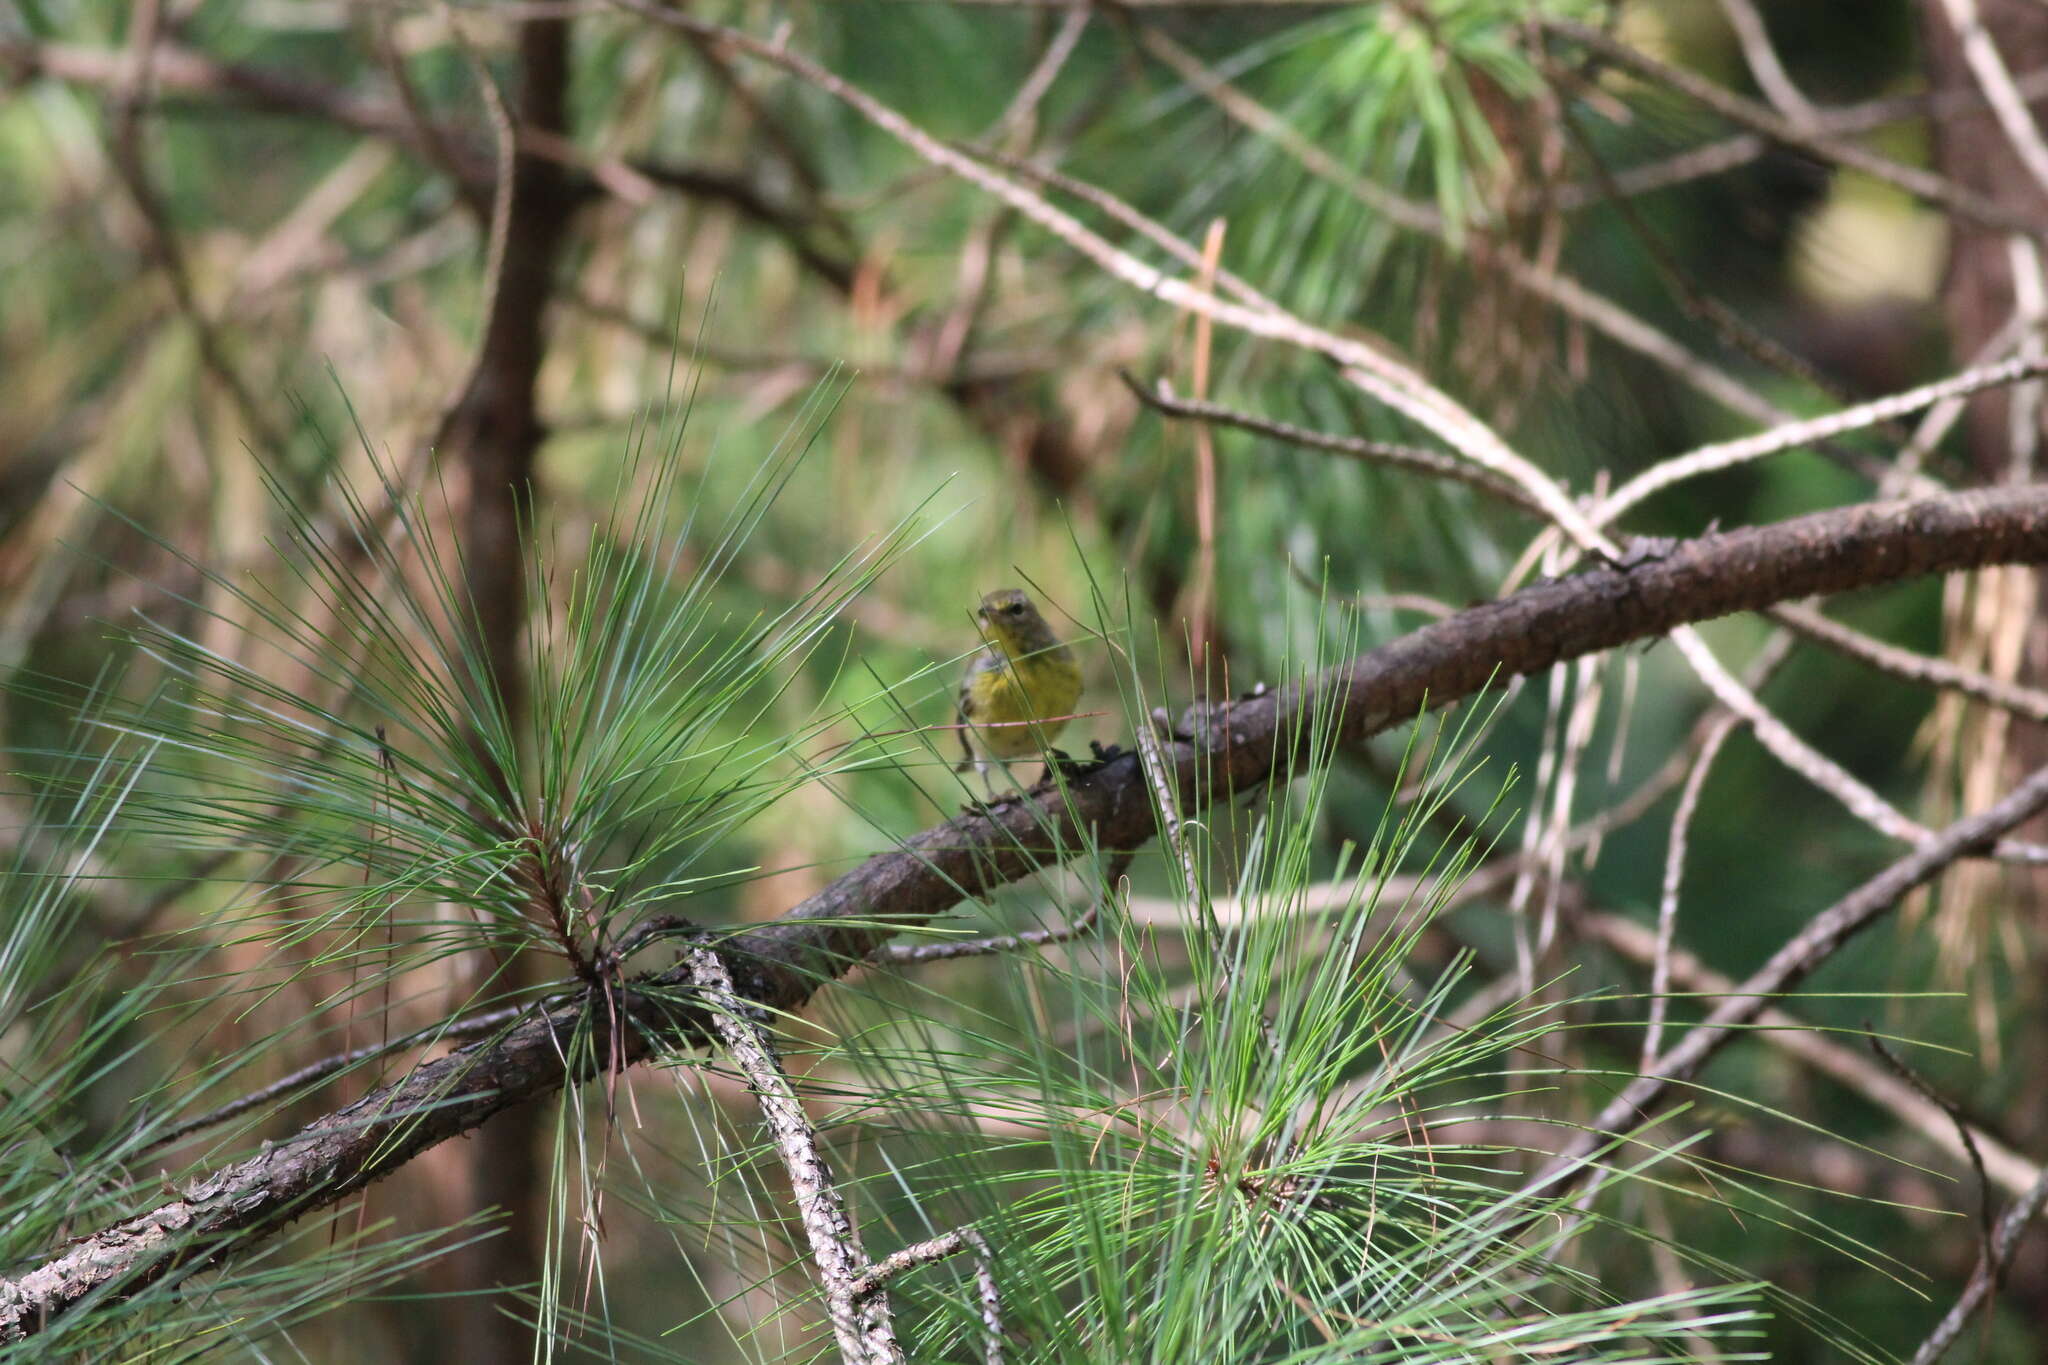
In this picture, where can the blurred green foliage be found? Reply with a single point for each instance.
(338, 276)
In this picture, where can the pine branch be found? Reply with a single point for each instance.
(1219, 751)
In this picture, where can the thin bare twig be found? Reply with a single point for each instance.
(1161, 398)
(1697, 301)
(1535, 861)
(1017, 116)
(1780, 1029)
(1674, 871)
(133, 85)
(1728, 454)
(1770, 74)
(938, 1249)
(1936, 423)
(1588, 679)
(1994, 78)
(2028, 702)
(433, 141)
(1987, 1275)
(1960, 1120)
(2030, 313)
(1806, 950)
(1919, 183)
(1856, 796)
(1728, 153)
(916, 954)
(1124, 215)
(1678, 766)
(497, 228)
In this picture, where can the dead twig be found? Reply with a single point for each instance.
(1987, 1275)
(916, 954)
(1822, 937)
(861, 1318)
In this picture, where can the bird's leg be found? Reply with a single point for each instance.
(991, 803)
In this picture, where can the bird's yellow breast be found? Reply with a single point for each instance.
(1018, 708)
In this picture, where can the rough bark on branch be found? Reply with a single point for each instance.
(1221, 750)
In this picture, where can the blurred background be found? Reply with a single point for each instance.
(248, 246)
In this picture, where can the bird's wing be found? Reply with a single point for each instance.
(963, 707)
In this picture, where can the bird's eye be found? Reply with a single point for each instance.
(1015, 609)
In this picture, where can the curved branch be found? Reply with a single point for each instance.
(1219, 751)
(1435, 463)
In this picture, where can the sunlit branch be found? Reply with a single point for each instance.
(1995, 79)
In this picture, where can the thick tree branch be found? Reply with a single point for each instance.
(1222, 750)
(490, 434)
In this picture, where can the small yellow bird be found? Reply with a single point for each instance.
(1020, 690)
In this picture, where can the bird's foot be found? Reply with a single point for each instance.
(1068, 767)
(990, 807)
(1058, 763)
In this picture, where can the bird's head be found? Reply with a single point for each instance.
(1009, 618)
